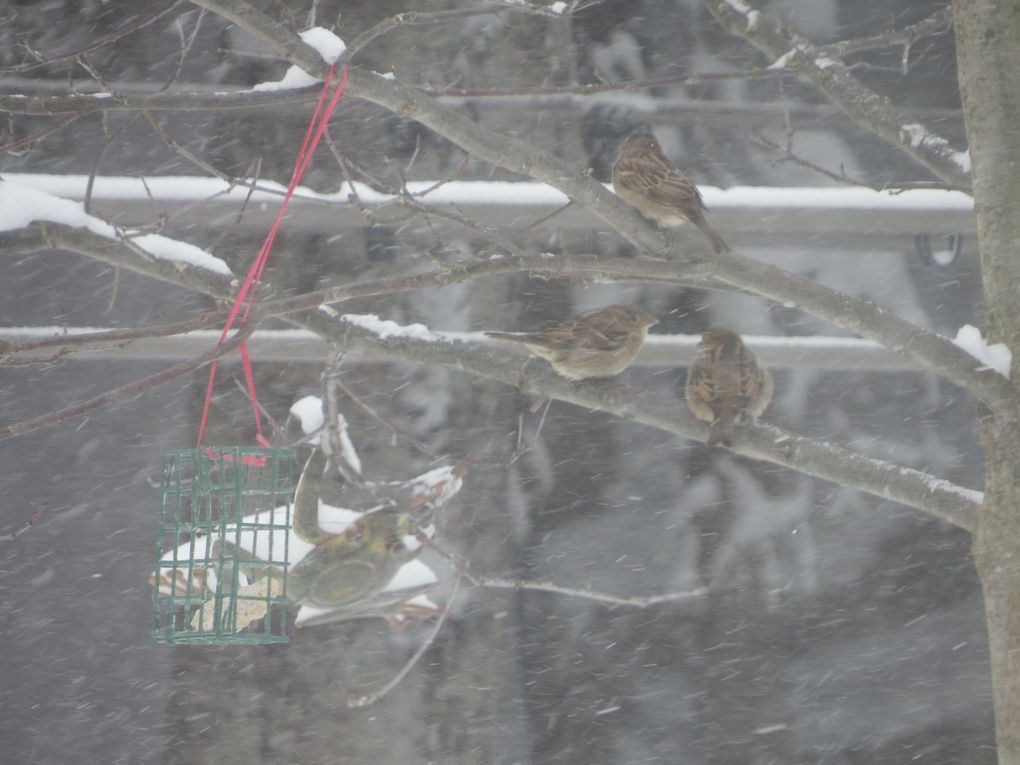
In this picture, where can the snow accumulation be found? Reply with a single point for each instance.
(294, 78)
(20, 205)
(308, 411)
(326, 44)
(739, 7)
(918, 135)
(311, 414)
(996, 357)
(387, 329)
(472, 193)
(782, 61)
(940, 484)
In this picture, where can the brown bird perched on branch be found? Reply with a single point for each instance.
(724, 382)
(598, 343)
(645, 178)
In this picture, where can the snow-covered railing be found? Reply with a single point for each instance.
(815, 216)
(663, 351)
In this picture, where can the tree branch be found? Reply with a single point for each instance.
(940, 21)
(944, 500)
(45, 235)
(831, 77)
(930, 350)
(124, 391)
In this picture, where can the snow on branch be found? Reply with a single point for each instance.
(952, 503)
(327, 44)
(20, 206)
(997, 357)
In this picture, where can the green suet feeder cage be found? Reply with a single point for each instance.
(222, 546)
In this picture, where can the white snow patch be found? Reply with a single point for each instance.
(327, 44)
(918, 135)
(413, 574)
(347, 450)
(386, 75)
(558, 8)
(996, 357)
(20, 205)
(782, 61)
(295, 78)
(739, 7)
(824, 62)
(308, 410)
(386, 329)
(940, 484)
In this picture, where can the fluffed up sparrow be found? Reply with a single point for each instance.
(597, 343)
(725, 382)
(645, 178)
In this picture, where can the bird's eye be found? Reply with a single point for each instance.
(356, 536)
(394, 545)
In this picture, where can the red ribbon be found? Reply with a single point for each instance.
(246, 294)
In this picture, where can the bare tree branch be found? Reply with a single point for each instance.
(831, 77)
(938, 22)
(44, 235)
(26, 525)
(823, 460)
(100, 43)
(89, 340)
(931, 350)
(126, 391)
(926, 348)
(80, 104)
(944, 500)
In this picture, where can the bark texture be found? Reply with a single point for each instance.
(988, 53)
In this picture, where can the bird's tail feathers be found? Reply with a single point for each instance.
(718, 245)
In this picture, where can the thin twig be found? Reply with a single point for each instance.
(462, 569)
(592, 89)
(100, 43)
(841, 177)
(394, 429)
(372, 698)
(126, 391)
(28, 524)
(90, 340)
(39, 134)
(186, 44)
(940, 21)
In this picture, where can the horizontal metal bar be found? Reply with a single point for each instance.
(300, 346)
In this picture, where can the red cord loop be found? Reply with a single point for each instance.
(246, 294)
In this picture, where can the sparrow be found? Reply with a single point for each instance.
(645, 178)
(597, 343)
(725, 382)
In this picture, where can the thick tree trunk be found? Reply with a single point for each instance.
(988, 53)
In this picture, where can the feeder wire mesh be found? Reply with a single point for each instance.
(223, 545)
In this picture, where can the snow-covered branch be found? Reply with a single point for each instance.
(943, 499)
(790, 50)
(929, 349)
(43, 235)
